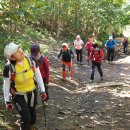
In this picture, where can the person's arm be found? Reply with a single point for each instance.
(90, 55)
(60, 54)
(72, 54)
(74, 42)
(102, 55)
(39, 79)
(82, 42)
(106, 43)
(86, 45)
(6, 84)
(46, 69)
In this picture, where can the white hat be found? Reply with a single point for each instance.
(65, 44)
(110, 37)
(10, 49)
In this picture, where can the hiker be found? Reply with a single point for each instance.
(43, 65)
(125, 45)
(19, 74)
(110, 46)
(96, 55)
(67, 56)
(78, 44)
(89, 46)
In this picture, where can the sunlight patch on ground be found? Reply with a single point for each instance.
(52, 84)
(124, 60)
(122, 94)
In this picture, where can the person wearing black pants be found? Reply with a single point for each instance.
(19, 77)
(78, 44)
(110, 54)
(96, 55)
(125, 45)
(25, 105)
(98, 65)
(79, 55)
(110, 45)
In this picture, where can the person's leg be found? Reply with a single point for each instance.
(81, 57)
(63, 71)
(77, 52)
(124, 49)
(32, 99)
(23, 110)
(112, 54)
(108, 55)
(100, 69)
(70, 69)
(93, 71)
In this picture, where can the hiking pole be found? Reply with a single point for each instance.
(44, 111)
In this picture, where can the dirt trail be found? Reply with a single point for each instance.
(78, 105)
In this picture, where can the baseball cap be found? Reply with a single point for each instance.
(35, 48)
(10, 49)
(110, 37)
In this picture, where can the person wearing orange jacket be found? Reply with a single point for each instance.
(96, 55)
(67, 56)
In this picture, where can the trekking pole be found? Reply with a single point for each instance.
(44, 111)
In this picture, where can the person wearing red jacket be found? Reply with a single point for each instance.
(96, 55)
(43, 65)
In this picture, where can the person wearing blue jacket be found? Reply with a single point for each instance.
(110, 45)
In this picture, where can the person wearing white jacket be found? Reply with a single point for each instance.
(19, 76)
(78, 44)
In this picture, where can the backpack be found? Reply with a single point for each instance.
(13, 74)
(69, 52)
(99, 56)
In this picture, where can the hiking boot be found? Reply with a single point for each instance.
(81, 63)
(46, 103)
(63, 79)
(77, 62)
(112, 63)
(31, 127)
(70, 78)
(91, 81)
(101, 78)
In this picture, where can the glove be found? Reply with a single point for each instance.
(43, 96)
(46, 86)
(72, 56)
(9, 106)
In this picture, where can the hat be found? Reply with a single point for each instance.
(10, 49)
(65, 44)
(110, 37)
(95, 45)
(35, 48)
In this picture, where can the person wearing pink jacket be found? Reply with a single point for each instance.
(89, 45)
(78, 44)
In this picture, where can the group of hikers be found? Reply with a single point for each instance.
(94, 53)
(24, 75)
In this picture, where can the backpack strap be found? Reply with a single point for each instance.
(41, 60)
(31, 63)
(13, 72)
